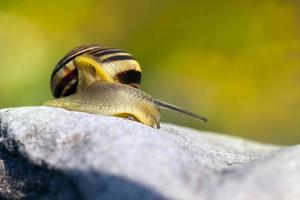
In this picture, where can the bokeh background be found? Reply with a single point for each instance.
(236, 62)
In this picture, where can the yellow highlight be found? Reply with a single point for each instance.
(85, 60)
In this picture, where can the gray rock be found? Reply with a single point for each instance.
(50, 153)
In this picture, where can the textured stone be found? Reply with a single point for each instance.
(72, 155)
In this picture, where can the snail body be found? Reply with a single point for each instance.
(113, 99)
(101, 80)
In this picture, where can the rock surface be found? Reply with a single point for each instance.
(49, 153)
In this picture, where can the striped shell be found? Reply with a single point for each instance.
(119, 64)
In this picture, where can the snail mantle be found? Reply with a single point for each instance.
(51, 153)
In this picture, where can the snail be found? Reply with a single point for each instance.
(101, 80)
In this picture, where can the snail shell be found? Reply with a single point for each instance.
(119, 65)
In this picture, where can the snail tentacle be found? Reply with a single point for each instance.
(169, 106)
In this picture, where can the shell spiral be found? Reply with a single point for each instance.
(119, 64)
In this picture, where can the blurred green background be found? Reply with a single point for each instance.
(236, 62)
